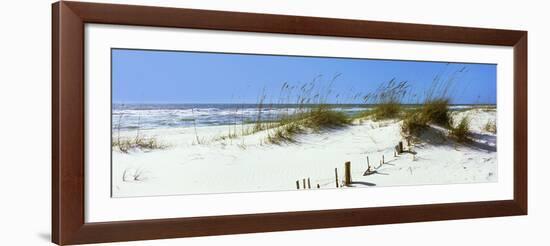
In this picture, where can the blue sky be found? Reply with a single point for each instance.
(144, 76)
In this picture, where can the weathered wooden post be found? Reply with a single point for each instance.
(304, 183)
(297, 184)
(336, 173)
(400, 147)
(383, 159)
(347, 180)
(318, 186)
(368, 163)
(308, 184)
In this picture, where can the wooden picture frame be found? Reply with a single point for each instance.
(68, 223)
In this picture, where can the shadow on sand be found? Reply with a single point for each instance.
(361, 183)
(437, 136)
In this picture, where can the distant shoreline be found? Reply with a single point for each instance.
(152, 116)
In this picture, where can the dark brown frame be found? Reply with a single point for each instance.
(68, 19)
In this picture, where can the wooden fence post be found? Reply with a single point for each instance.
(297, 184)
(347, 180)
(400, 147)
(336, 173)
(304, 183)
(308, 184)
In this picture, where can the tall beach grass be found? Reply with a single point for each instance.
(387, 99)
(302, 108)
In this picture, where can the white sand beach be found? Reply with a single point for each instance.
(248, 164)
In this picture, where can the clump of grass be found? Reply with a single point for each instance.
(436, 111)
(134, 175)
(488, 108)
(431, 112)
(140, 142)
(387, 98)
(316, 119)
(461, 132)
(324, 117)
(259, 124)
(491, 126)
(124, 145)
(230, 135)
(414, 123)
(386, 111)
(285, 133)
(311, 111)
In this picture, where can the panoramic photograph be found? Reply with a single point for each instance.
(185, 122)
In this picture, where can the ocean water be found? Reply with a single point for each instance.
(151, 116)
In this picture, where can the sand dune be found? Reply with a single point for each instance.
(248, 164)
